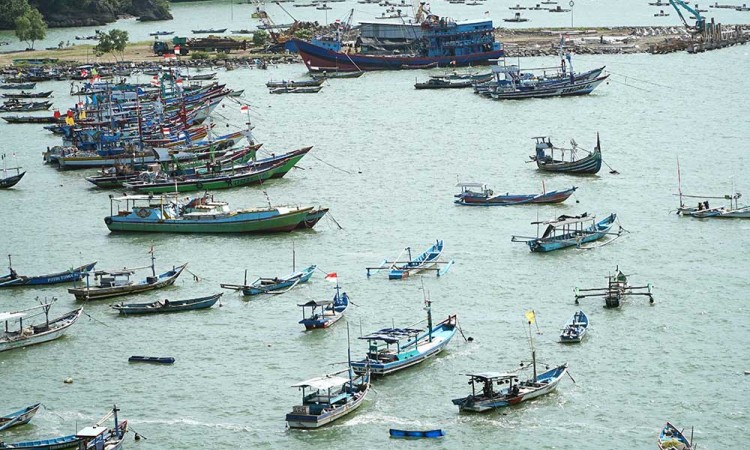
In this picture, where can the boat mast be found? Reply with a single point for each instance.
(349, 356)
(531, 317)
(294, 263)
(153, 258)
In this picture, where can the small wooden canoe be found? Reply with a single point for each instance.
(152, 359)
(575, 329)
(19, 417)
(409, 434)
(672, 438)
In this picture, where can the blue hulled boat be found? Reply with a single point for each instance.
(392, 349)
(575, 329)
(61, 442)
(20, 417)
(568, 231)
(13, 279)
(478, 194)
(670, 438)
(328, 398)
(152, 359)
(427, 260)
(324, 313)
(273, 285)
(439, 42)
(412, 434)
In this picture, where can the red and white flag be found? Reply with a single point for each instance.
(176, 49)
(155, 81)
(246, 108)
(165, 131)
(332, 277)
(178, 81)
(85, 73)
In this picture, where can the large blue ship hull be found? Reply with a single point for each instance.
(318, 58)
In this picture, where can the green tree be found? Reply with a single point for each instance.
(260, 37)
(114, 42)
(30, 27)
(10, 11)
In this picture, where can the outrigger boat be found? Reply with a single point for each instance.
(324, 313)
(168, 306)
(392, 349)
(93, 437)
(273, 285)
(7, 178)
(670, 438)
(428, 260)
(329, 398)
(546, 161)
(478, 194)
(617, 288)
(704, 211)
(20, 417)
(35, 334)
(575, 329)
(516, 391)
(13, 279)
(568, 231)
(114, 283)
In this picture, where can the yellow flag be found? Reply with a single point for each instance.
(530, 316)
(82, 115)
(69, 121)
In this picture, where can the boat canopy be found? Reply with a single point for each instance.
(322, 383)
(490, 376)
(471, 185)
(314, 303)
(11, 315)
(90, 432)
(392, 335)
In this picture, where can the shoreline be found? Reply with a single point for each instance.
(523, 42)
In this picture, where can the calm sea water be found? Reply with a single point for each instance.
(235, 15)
(386, 159)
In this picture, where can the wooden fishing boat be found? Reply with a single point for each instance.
(439, 83)
(209, 31)
(7, 180)
(672, 438)
(428, 260)
(23, 94)
(617, 289)
(30, 119)
(295, 90)
(575, 329)
(152, 359)
(568, 231)
(394, 349)
(167, 306)
(17, 86)
(322, 74)
(328, 398)
(324, 313)
(102, 437)
(56, 443)
(204, 182)
(13, 279)
(312, 218)
(415, 434)
(35, 334)
(292, 83)
(516, 391)
(546, 161)
(275, 284)
(20, 417)
(171, 214)
(114, 283)
(478, 194)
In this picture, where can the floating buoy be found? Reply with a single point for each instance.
(68, 380)
(470, 339)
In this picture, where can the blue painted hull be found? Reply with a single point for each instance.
(76, 274)
(286, 282)
(58, 443)
(407, 434)
(152, 359)
(421, 262)
(19, 417)
(411, 354)
(575, 329)
(519, 199)
(670, 436)
(319, 58)
(593, 233)
(168, 307)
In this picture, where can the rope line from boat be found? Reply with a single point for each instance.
(640, 80)
(460, 330)
(96, 320)
(296, 282)
(137, 436)
(52, 412)
(331, 165)
(196, 278)
(330, 216)
(571, 377)
(628, 85)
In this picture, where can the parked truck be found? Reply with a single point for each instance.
(207, 44)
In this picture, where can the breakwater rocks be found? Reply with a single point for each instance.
(616, 40)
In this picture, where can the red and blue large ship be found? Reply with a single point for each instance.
(443, 43)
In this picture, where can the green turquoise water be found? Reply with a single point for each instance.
(385, 160)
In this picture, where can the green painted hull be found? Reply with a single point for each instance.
(281, 171)
(208, 184)
(233, 224)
